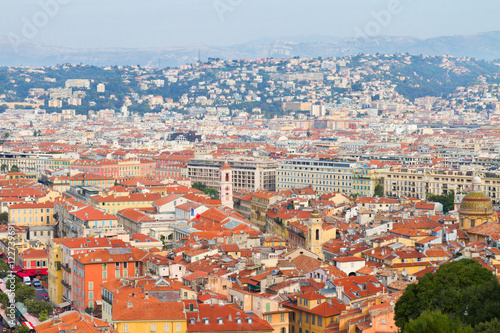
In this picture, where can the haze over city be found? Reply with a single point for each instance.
(248, 166)
(166, 23)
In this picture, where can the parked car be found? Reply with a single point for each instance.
(37, 283)
(27, 280)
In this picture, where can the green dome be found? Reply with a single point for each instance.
(476, 201)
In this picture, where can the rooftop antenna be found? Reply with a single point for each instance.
(199, 55)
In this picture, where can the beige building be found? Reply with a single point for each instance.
(261, 201)
(249, 174)
(324, 176)
(364, 180)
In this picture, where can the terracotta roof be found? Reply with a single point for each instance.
(73, 320)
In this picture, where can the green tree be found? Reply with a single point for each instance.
(14, 168)
(447, 200)
(462, 289)
(4, 167)
(24, 292)
(44, 315)
(36, 307)
(435, 322)
(492, 326)
(22, 329)
(4, 218)
(379, 190)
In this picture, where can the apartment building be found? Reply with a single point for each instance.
(117, 169)
(60, 268)
(26, 162)
(249, 174)
(324, 176)
(94, 268)
(365, 179)
(32, 214)
(418, 182)
(114, 203)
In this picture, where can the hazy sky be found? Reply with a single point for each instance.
(164, 23)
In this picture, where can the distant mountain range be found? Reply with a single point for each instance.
(482, 45)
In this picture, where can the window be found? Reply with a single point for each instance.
(179, 327)
(320, 321)
(91, 304)
(282, 317)
(166, 327)
(91, 286)
(313, 319)
(383, 321)
(104, 266)
(117, 274)
(125, 328)
(117, 265)
(269, 318)
(307, 318)
(91, 295)
(104, 275)
(153, 327)
(268, 307)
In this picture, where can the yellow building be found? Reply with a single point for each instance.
(61, 163)
(313, 313)
(272, 241)
(476, 208)
(20, 175)
(364, 181)
(278, 320)
(55, 273)
(113, 203)
(32, 214)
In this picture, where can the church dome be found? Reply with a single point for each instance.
(476, 201)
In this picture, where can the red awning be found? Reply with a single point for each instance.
(17, 269)
(40, 271)
(21, 274)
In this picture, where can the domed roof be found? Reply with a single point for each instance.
(477, 181)
(476, 201)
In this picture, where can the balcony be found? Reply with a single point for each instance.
(66, 284)
(66, 268)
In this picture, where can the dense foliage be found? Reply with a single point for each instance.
(210, 191)
(447, 200)
(435, 322)
(462, 290)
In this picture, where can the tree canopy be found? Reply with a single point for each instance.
(447, 200)
(435, 322)
(379, 190)
(462, 290)
(210, 191)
